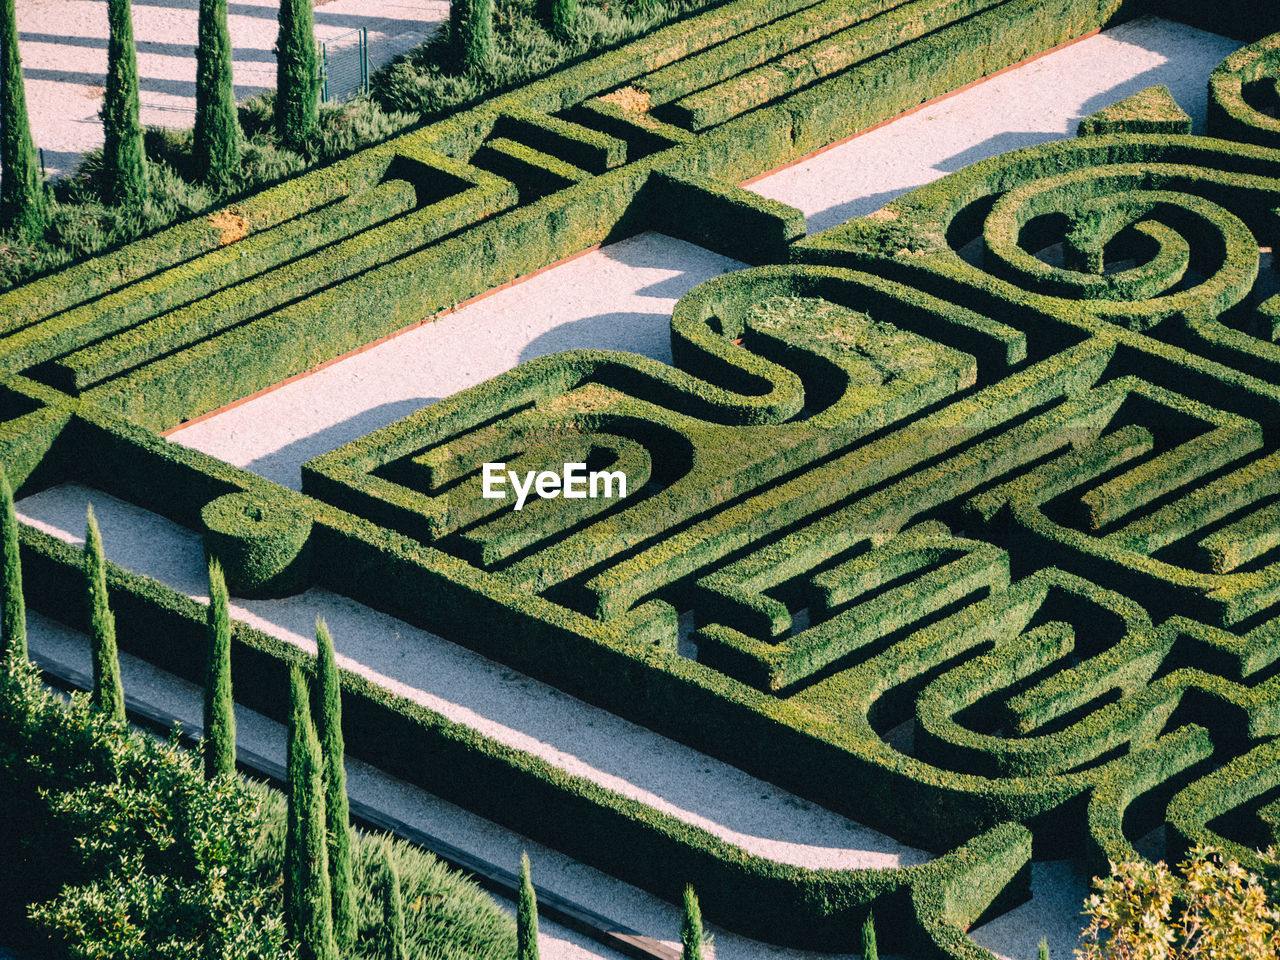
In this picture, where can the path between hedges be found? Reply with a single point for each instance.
(597, 295)
(64, 58)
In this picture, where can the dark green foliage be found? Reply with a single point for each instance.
(219, 707)
(13, 610)
(559, 17)
(869, 949)
(691, 927)
(308, 901)
(393, 910)
(526, 914)
(217, 129)
(337, 815)
(471, 31)
(124, 158)
(108, 694)
(1152, 110)
(264, 547)
(297, 76)
(22, 200)
(115, 844)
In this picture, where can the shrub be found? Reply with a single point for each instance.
(1216, 908)
(13, 611)
(691, 927)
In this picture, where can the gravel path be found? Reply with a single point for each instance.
(499, 702)
(1037, 102)
(619, 297)
(64, 58)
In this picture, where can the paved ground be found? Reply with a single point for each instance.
(64, 58)
(619, 297)
(1037, 102)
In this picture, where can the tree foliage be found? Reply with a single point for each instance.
(124, 158)
(1214, 909)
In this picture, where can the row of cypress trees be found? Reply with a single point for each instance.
(217, 136)
(319, 889)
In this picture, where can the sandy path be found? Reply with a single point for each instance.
(64, 58)
(1037, 102)
(619, 297)
(499, 702)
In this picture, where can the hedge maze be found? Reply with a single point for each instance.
(974, 502)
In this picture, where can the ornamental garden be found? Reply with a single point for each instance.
(960, 520)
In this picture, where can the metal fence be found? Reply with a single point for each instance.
(344, 65)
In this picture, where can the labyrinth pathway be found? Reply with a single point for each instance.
(959, 519)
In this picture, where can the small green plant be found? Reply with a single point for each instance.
(1042, 951)
(471, 29)
(219, 708)
(108, 693)
(13, 611)
(526, 914)
(1215, 908)
(691, 938)
(393, 909)
(869, 949)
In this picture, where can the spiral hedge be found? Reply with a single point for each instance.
(975, 501)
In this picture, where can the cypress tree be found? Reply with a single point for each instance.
(1043, 952)
(392, 910)
(306, 869)
(297, 75)
(219, 709)
(337, 814)
(22, 201)
(471, 33)
(124, 160)
(13, 611)
(217, 129)
(691, 927)
(869, 949)
(559, 17)
(108, 694)
(526, 914)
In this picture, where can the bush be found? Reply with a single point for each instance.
(123, 850)
(1216, 908)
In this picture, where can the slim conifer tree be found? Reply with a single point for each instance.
(13, 611)
(124, 158)
(392, 909)
(526, 914)
(297, 75)
(23, 208)
(691, 927)
(471, 34)
(337, 813)
(219, 708)
(1042, 953)
(869, 949)
(108, 694)
(559, 17)
(308, 904)
(217, 129)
